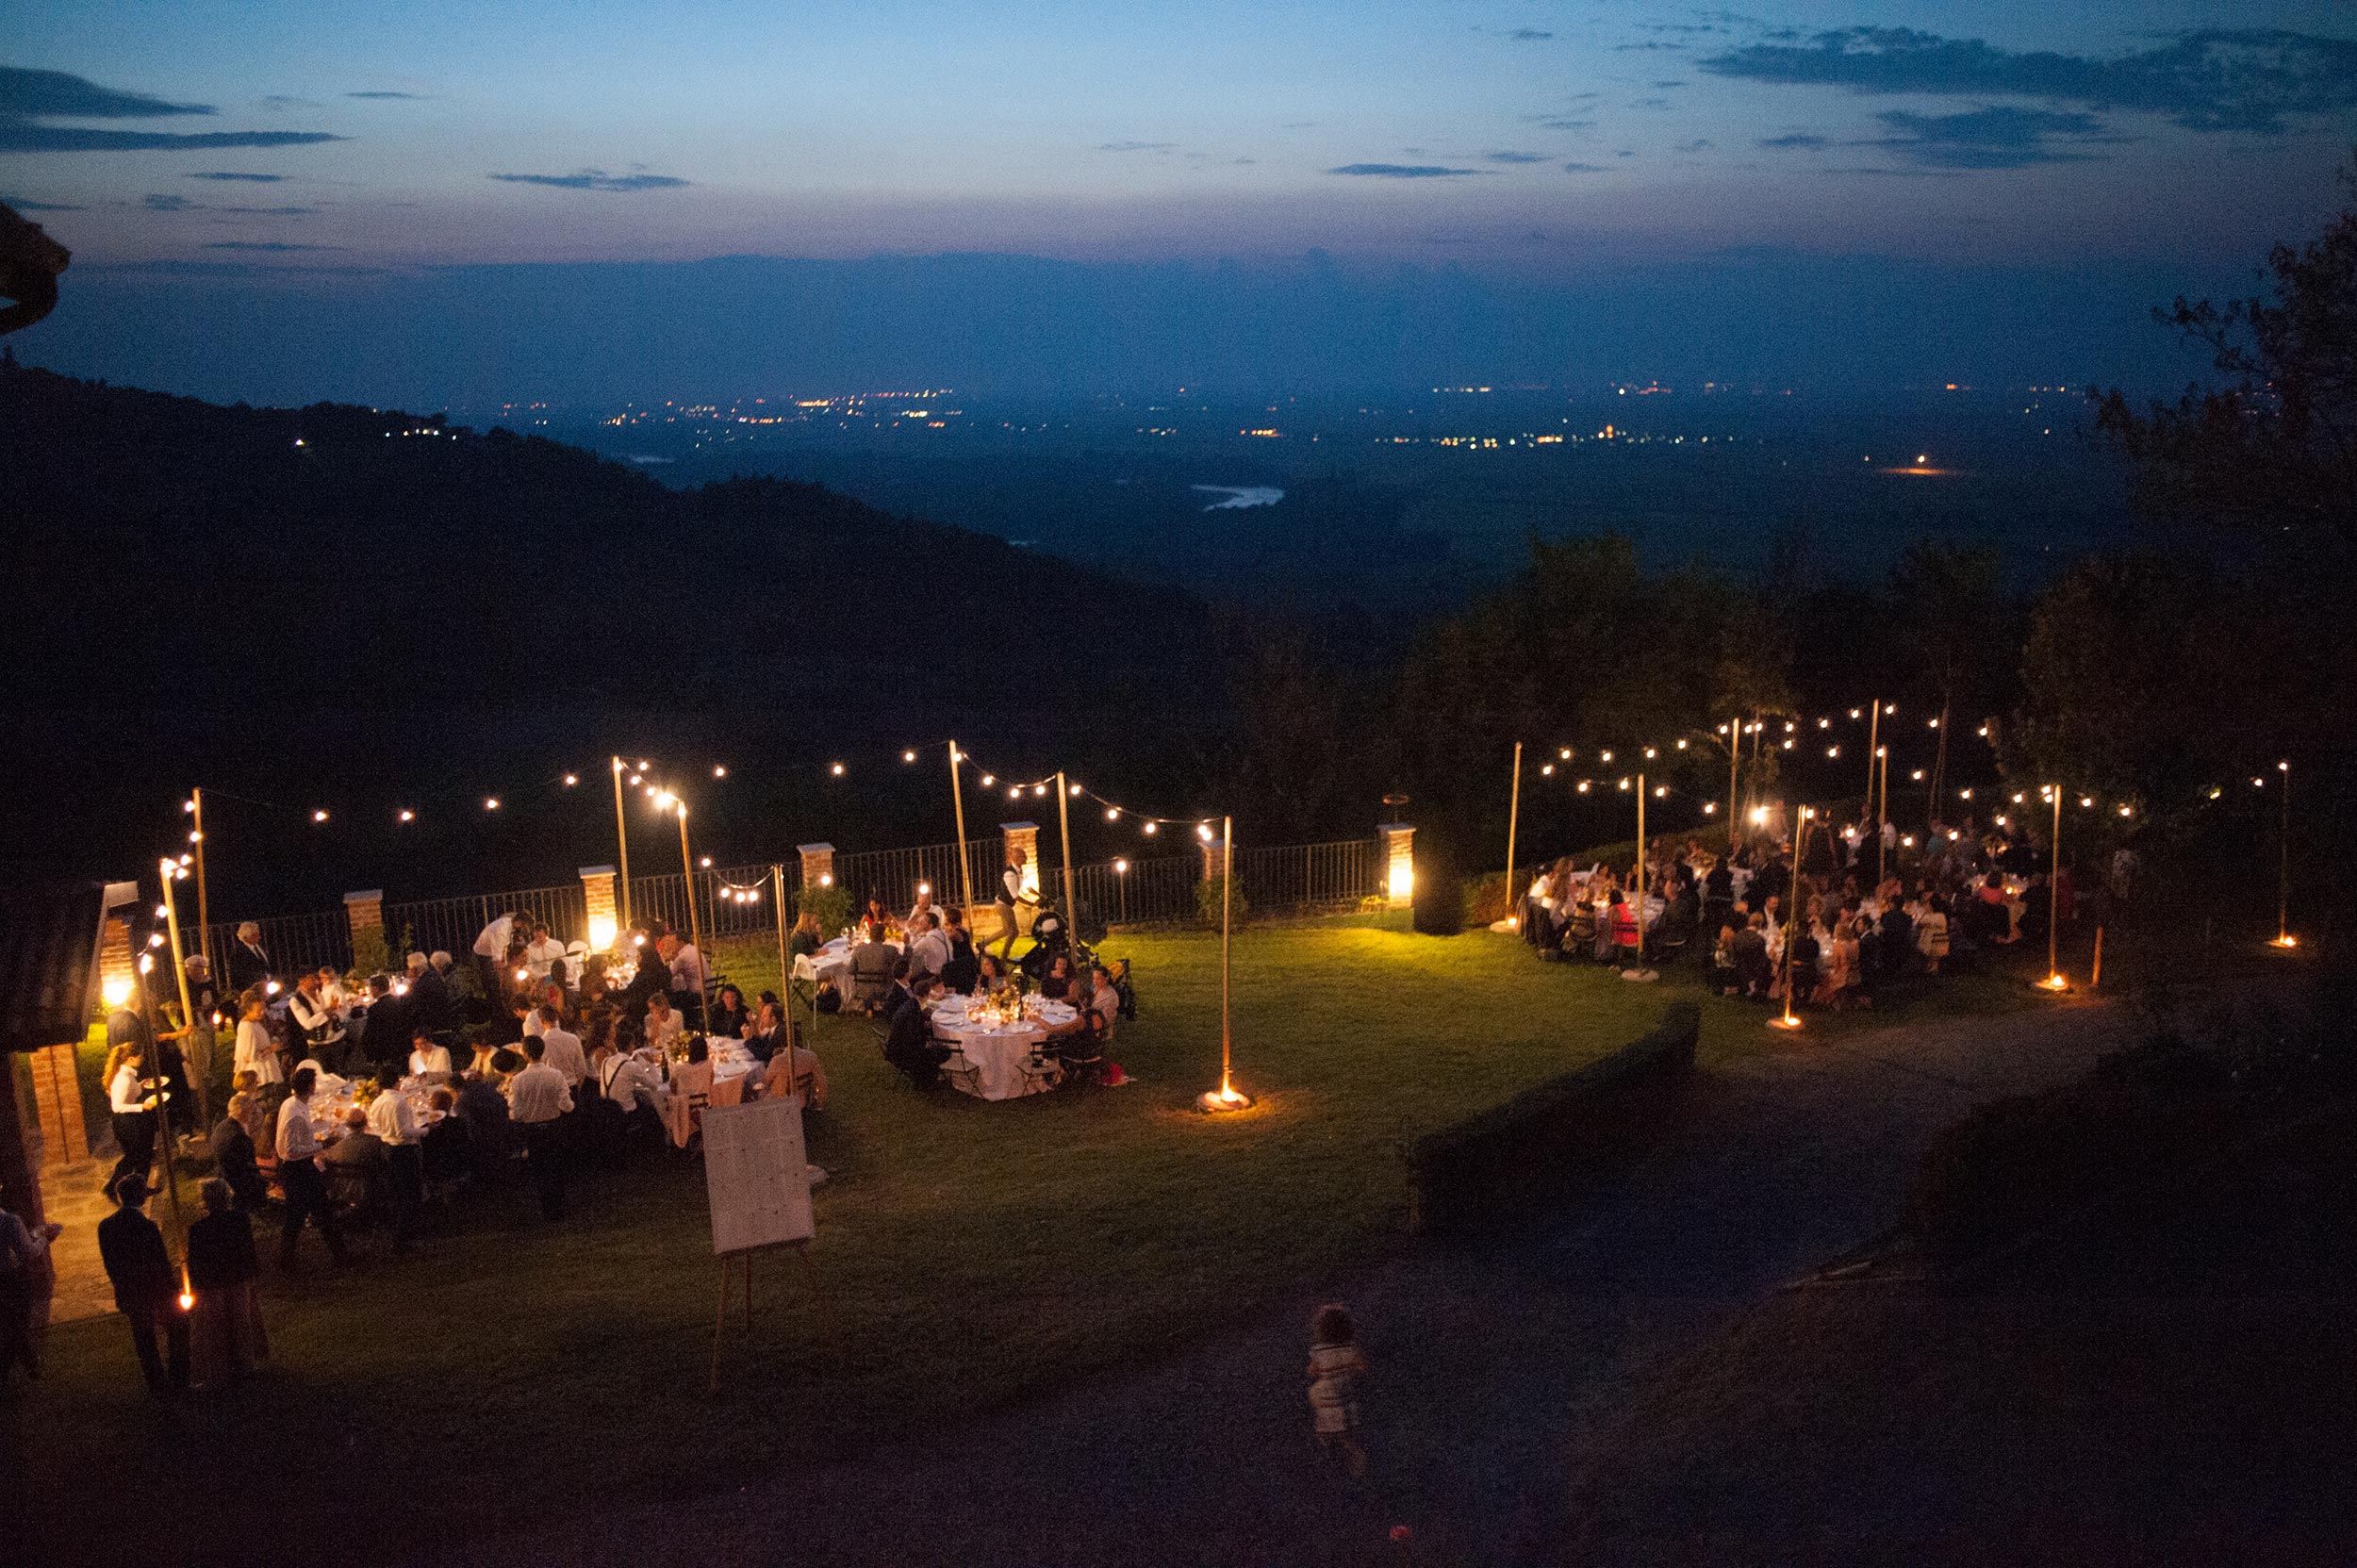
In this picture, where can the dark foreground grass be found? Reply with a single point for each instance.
(967, 1254)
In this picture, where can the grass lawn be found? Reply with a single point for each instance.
(968, 1254)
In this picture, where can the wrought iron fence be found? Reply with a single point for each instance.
(1302, 877)
(893, 875)
(451, 925)
(294, 942)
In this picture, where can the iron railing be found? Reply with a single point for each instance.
(1283, 879)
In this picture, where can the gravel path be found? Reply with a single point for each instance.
(1488, 1365)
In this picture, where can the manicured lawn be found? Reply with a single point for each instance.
(967, 1254)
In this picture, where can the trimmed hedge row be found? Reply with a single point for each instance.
(1542, 1145)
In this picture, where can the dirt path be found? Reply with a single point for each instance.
(1488, 1365)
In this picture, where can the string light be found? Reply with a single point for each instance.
(491, 803)
(409, 816)
(718, 772)
(570, 780)
(908, 757)
(1547, 770)
(1112, 813)
(988, 781)
(318, 817)
(1153, 827)
(836, 771)
(187, 805)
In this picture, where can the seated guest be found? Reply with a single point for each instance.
(560, 1049)
(448, 1154)
(873, 919)
(1750, 952)
(764, 1033)
(807, 938)
(627, 1080)
(1056, 985)
(1104, 999)
(902, 991)
(359, 1147)
(591, 969)
(909, 1045)
(662, 1024)
(990, 973)
(958, 972)
(425, 1057)
(729, 1016)
(872, 971)
(793, 1068)
(928, 949)
(482, 1110)
(481, 1066)
(233, 1157)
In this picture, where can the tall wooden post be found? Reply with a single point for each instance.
(1735, 760)
(1513, 819)
(695, 926)
(957, 801)
(1063, 835)
(204, 905)
(2283, 880)
(187, 1013)
(1226, 921)
(621, 844)
(2053, 905)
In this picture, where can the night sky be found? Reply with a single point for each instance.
(308, 163)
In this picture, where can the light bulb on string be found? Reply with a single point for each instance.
(1824, 723)
(1153, 827)
(1203, 829)
(837, 769)
(187, 805)
(988, 781)
(1015, 794)
(1112, 813)
(1076, 789)
(644, 765)
(1547, 770)
(196, 838)
(1681, 745)
(571, 779)
(704, 861)
(1661, 792)
(491, 803)
(318, 817)
(635, 779)
(1856, 712)
(1566, 752)
(1624, 783)
(1121, 867)
(409, 816)
(1038, 790)
(719, 770)
(1891, 707)
(908, 757)
(1605, 756)
(1583, 787)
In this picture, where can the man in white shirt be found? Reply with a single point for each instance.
(632, 1083)
(543, 954)
(490, 955)
(392, 1118)
(560, 1047)
(298, 1150)
(536, 1099)
(687, 977)
(929, 949)
(663, 1022)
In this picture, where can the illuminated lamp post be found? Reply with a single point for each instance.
(1226, 1097)
(957, 803)
(1513, 815)
(621, 844)
(2054, 981)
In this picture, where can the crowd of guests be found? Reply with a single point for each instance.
(1863, 907)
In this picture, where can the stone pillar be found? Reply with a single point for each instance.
(364, 912)
(1399, 864)
(818, 864)
(596, 894)
(117, 972)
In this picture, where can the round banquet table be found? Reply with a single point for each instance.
(999, 1053)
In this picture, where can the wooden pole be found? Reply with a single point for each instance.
(2094, 973)
(1226, 919)
(957, 801)
(2053, 905)
(1513, 819)
(180, 972)
(1791, 909)
(622, 843)
(694, 927)
(785, 978)
(2283, 880)
(1640, 910)
(1063, 833)
(203, 907)
(1882, 815)
(153, 1082)
(1735, 760)
(1873, 742)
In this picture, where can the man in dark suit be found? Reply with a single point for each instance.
(146, 1292)
(899, 996)
(429, 1000)
(392, 1022)
(249, 962)
(909, 1045)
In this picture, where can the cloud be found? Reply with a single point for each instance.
(2215, 80)
(1793, 138)
(1669, 84)
(52, 94)
(1700, 144)
(29, 97)
(1999, 138)
(222, 174)
(1567, 125)
(1584, 169)
(1135, 146)
(1404, 171)
(281, 101)
(594, 180)
(274, 246)
(22, 205)
(1516, 157)
(169, 204)
(403, 97)
(266, 211)
(1648, 45)
(1528, 35)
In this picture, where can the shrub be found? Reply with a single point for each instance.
(371, 953)
(1440, 898)
(832, 905)
(1208, 894)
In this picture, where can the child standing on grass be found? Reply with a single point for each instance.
(1335, 1368)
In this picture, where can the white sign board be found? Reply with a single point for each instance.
(756, 1175)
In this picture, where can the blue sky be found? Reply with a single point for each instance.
(1522, 141)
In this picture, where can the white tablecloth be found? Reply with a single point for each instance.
(832, 961)
(999, 1052)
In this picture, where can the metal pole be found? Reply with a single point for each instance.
(1063, 833)
(622, 842)
(694, 927)
(1226, 907)
(1513, 819)
(180, 972)
(957, 800)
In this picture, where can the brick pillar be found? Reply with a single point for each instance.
(364, 912)
(1398, 841)
(117, 972)
(596, 894)
(818, 864)
(1214, 849)
(57, 1106)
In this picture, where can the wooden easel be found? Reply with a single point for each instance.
(740, 1264)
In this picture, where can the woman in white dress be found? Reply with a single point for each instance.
(257, 1053)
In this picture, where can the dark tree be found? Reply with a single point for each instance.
(2273, 444)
